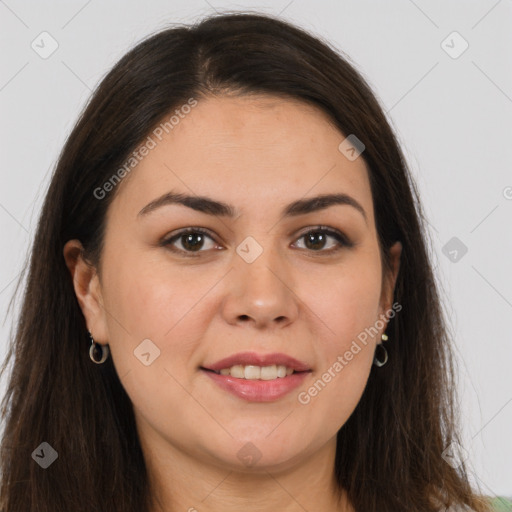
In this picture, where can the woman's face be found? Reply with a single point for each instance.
(263, 280)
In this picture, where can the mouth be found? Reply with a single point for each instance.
(257, 378)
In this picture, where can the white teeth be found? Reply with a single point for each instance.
(237, 371)
(282, 372)
(269, 372)
(251, 372)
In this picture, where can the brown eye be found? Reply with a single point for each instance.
(192, 240)
(316, 240)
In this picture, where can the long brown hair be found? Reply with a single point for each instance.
(389, 454)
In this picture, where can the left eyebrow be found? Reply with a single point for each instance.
(218, 208)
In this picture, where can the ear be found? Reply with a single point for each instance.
(389, 280)
(87, 288)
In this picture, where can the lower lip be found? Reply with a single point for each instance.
(258, 390)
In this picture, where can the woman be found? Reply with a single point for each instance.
(230, 303)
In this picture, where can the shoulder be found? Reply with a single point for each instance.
(501, 504)
(496, 504)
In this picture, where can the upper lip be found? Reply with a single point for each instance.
(252, 358)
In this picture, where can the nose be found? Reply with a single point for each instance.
(262, 292)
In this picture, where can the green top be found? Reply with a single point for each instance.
(502, 504)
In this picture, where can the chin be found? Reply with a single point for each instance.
(255, 455)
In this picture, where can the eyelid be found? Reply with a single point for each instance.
(326, 229)
(168, 239)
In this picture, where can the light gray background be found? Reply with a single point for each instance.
(453, 117)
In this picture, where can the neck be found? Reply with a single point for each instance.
(179, 482)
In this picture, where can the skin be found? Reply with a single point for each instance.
(258, 154)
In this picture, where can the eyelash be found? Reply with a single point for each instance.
(340, 237)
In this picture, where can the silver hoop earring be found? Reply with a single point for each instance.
(381, 362)
(98, 353)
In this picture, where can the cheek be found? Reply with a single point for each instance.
(151, 310)
(346, 358)
(144, 301)
(346, 301)
(148, 295)
(347, 310)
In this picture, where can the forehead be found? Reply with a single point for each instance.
(242, 150)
